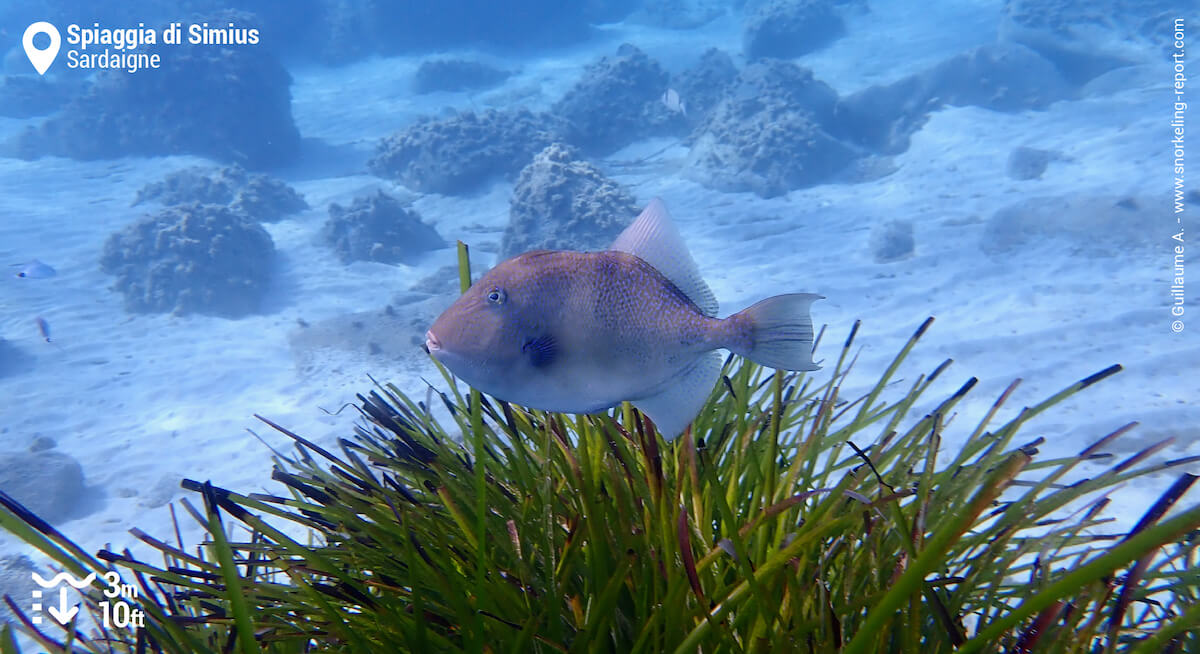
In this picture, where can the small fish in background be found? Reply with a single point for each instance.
(34, 269)
(671, 100)
(43, 327)
(581, 332)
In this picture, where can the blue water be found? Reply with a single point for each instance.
(248, 208)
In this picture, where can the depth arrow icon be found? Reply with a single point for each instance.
(62, 613)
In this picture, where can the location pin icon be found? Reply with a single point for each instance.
(41, 59)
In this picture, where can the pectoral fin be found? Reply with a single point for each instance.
(542, 351)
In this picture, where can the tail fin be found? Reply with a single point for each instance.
(781, 331)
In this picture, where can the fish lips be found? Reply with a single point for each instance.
(465, 368)
(432, 343)
(434, 346)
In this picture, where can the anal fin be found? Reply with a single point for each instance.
(681, 398)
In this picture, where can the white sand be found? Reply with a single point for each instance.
(142, 400)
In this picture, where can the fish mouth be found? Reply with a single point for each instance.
(432, 343)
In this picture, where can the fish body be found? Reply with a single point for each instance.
(580, 332)
(566, 343)
(43, 328)
(35, 270)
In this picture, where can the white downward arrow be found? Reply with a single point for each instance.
(62, 613)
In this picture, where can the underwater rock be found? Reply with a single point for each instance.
(456, 75)
(460, 154)
(892, 240)
(790, 28)
(704, 84)
(267, 199)
(26, 96)
(1002, 77)
(617, 102)
(231, 104)
(770, 152)
(48, 483)
(1085, 38)
(194, 258)
(774, 81)
(1087, 223)
(260, 197)
(1026, 163)
(194, 184)
(379, 228)
(563, 203)
(768, 135)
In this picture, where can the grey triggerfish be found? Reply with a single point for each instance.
(580, 332)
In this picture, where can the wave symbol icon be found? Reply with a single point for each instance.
(78, 584)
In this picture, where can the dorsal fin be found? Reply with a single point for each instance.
(654, 239)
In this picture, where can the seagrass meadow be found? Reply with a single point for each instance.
(786, 519)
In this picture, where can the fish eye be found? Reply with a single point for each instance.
(496, 296)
